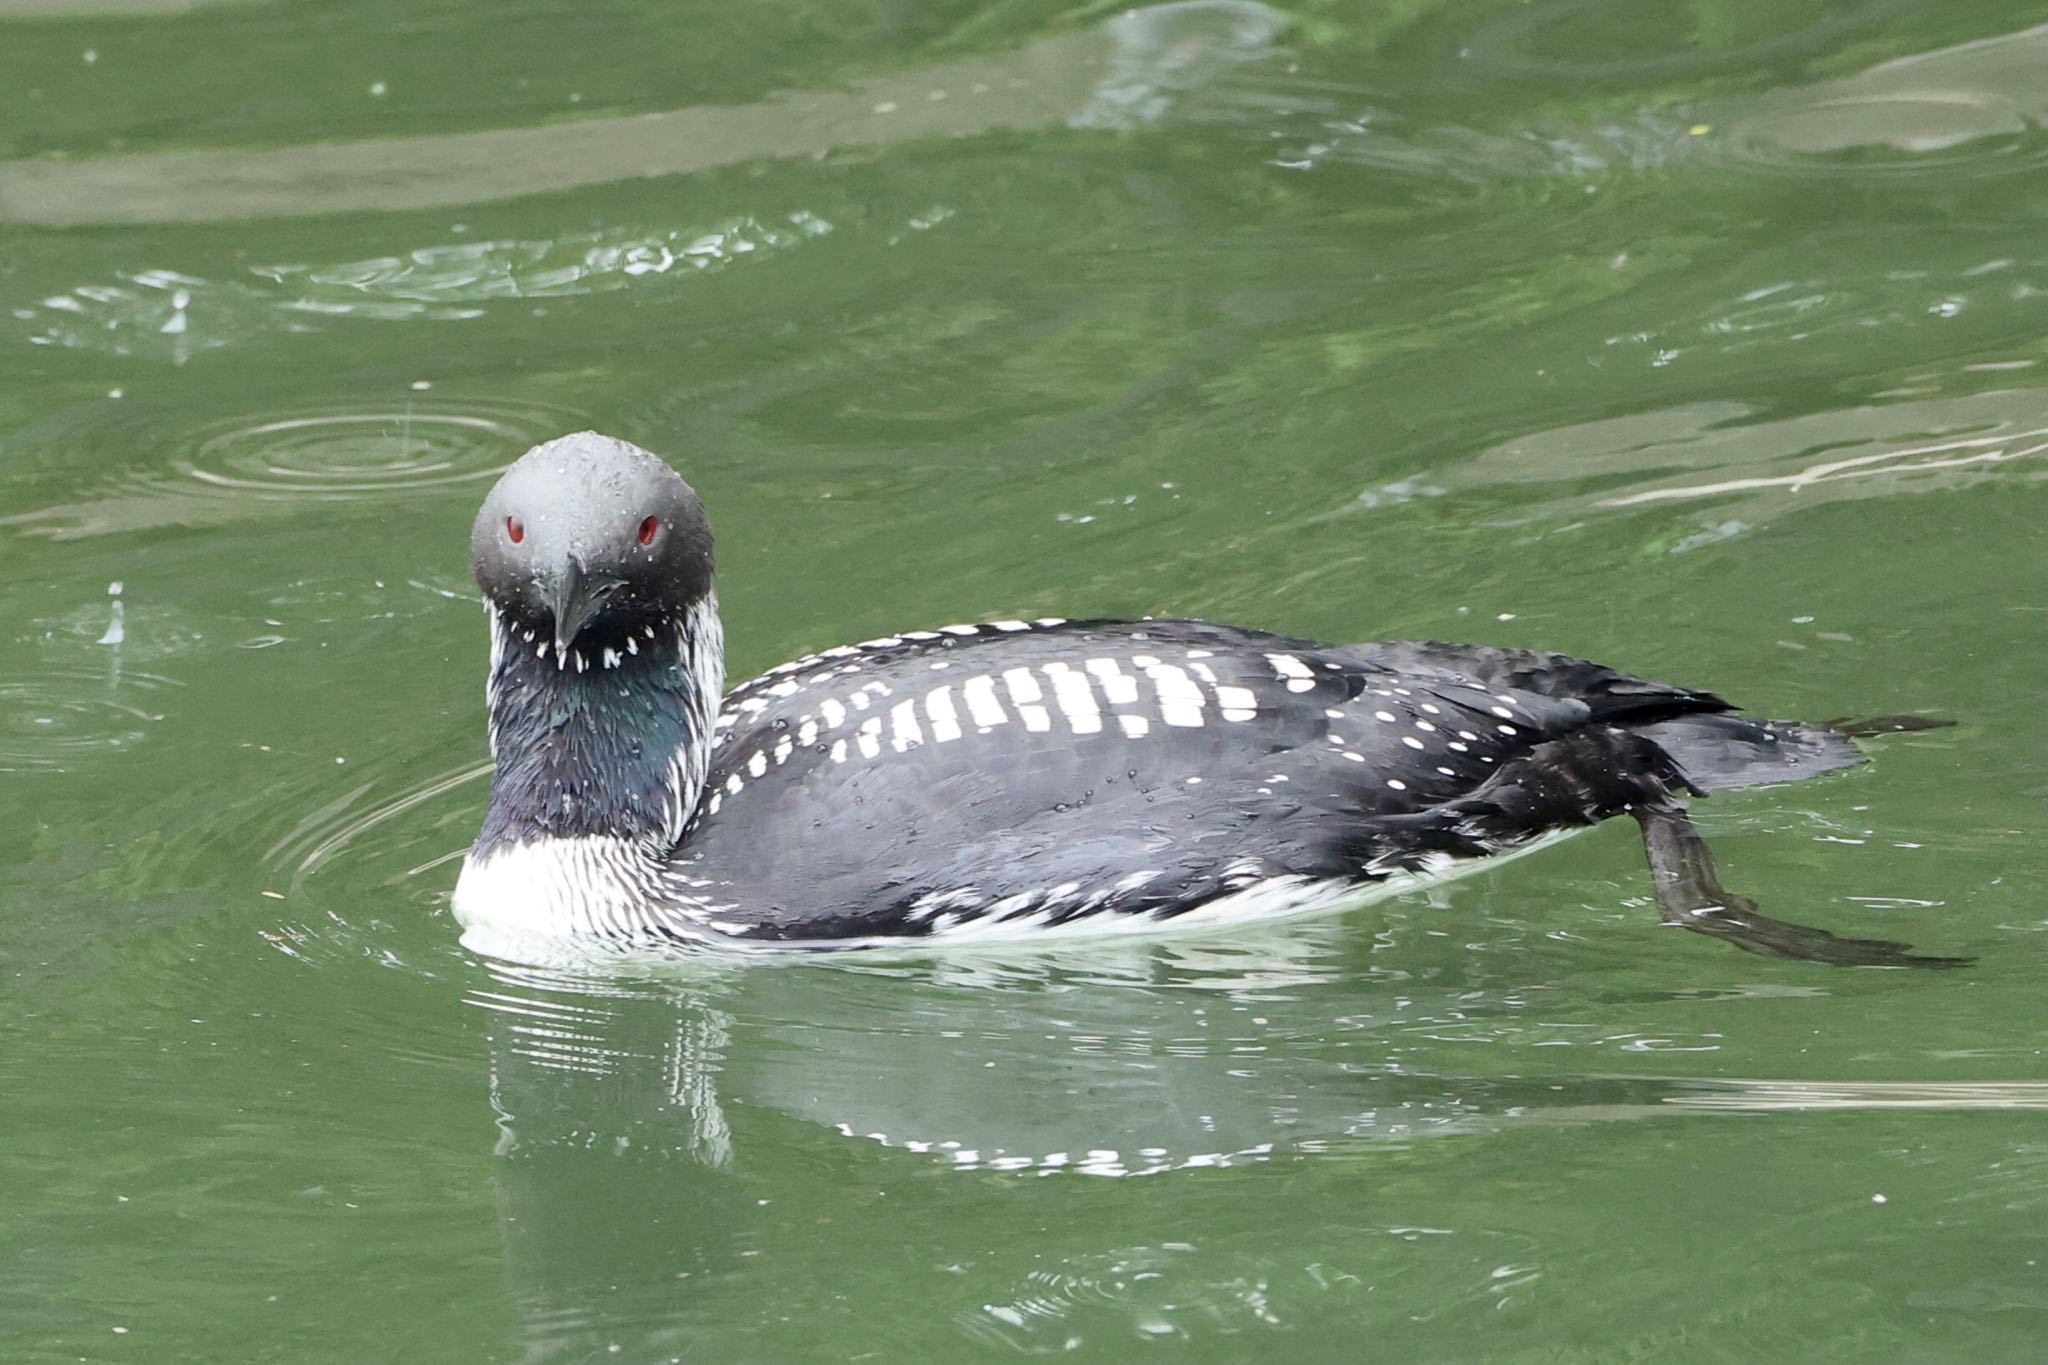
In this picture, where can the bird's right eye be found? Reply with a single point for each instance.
(515, 530)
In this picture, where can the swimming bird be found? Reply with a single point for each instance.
(1027, 779)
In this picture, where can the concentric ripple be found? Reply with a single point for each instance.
(50, 721)
(347, 453)
(246, 466)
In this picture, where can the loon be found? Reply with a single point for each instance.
(1020, 779)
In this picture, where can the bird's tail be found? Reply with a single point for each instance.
(1720, 750)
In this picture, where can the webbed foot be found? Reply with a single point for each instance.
(1690, 895)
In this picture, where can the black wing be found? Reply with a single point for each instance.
(1064, 769)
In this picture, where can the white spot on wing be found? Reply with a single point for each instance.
(1075, 699)
(938, 704)
(1180, 701)
(982, 707)
(1023, 687)
(1118, 687)
(1236, 698)
(904, 732)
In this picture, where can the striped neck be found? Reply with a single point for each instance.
(601, 742)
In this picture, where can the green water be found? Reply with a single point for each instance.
(1705, 339)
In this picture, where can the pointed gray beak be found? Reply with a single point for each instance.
(573, 598)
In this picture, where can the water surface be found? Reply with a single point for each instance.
(1707, 342)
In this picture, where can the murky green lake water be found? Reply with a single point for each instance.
(1705, 339)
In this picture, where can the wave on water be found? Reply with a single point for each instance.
(339, 827)
(170, 314)
(1753, 470)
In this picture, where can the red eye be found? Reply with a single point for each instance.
(515, 530)
(647, 530)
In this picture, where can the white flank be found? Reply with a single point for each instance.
(560, 888)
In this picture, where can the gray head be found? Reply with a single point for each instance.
(591, 538)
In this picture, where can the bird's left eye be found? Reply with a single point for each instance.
(647, 530)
